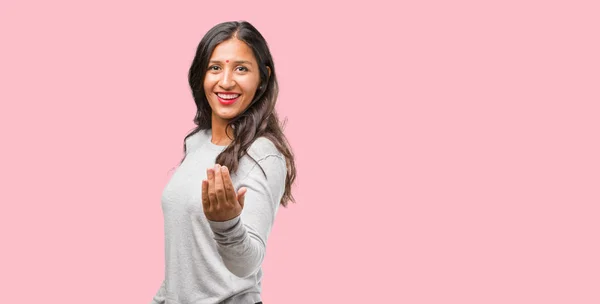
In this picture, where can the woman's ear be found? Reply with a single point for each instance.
(269, 69)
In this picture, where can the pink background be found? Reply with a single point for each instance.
(447, 151)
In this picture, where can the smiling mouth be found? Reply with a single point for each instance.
(228, 96)
(227, 99)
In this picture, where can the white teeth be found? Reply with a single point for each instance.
(228, 96)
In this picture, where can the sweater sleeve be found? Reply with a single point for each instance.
(159, 298)
(241, 241)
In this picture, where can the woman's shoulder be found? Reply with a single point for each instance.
(262, 152)
(263, 147)
(263, 157)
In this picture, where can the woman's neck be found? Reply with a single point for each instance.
(219, 137)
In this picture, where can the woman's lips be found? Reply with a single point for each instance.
(227, 101)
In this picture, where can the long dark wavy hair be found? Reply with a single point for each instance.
(259, 118)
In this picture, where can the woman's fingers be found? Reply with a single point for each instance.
(219, 187)
(241, 196)
(228, 185)
(212, 196)
(205, 200)
(219, 198)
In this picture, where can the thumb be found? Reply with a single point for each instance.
(241, 196)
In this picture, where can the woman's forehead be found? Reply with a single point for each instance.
(232, 50)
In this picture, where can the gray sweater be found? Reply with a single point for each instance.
(218, 262)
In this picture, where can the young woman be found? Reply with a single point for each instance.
(221, 202)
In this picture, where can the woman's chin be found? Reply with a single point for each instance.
(226, 115)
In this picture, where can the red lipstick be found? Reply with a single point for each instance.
(227, 102)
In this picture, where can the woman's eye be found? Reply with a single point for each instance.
(213, 68)
(242, 69)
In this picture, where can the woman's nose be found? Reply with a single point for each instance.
(227, 81)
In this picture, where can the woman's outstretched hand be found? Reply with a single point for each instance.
(219, 199)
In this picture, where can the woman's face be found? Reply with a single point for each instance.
(231, 79)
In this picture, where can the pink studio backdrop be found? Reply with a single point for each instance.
(447, 151)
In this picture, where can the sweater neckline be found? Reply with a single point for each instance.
(210, 143)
